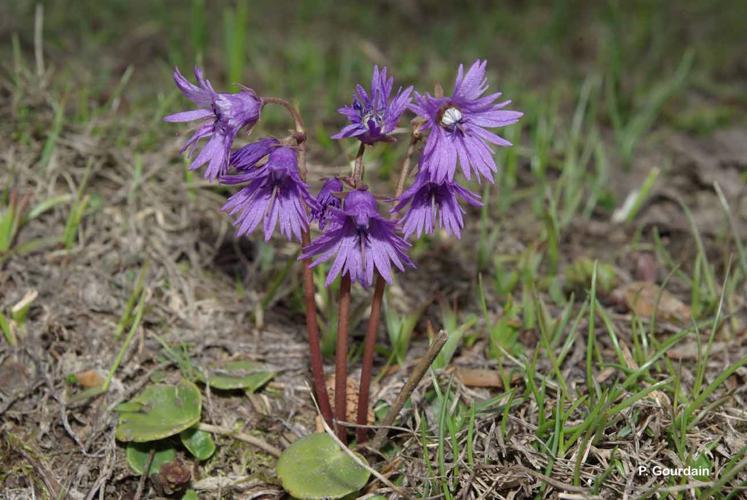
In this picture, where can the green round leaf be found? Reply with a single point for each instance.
(240, 374)
(199, 443)
(190, 495)
(316, 467)
(137, 456)
(159, 411)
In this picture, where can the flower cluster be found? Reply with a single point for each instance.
(361, 243)
(274, 193)
(355, 236)
(457, 128)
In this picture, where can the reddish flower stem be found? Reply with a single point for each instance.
(406, 164)
(358, 170)
(341, 358)
(312, 325)
(312, 328)
(369, 344)
(369, 347)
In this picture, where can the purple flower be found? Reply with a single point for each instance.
(459, 123)
(222, 115)
(429, 199)
(275, 193)
(360, 240)
(373, 116)
(326, 200)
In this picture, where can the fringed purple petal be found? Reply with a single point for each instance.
(188, 116)
(202, 95)
(248, 156)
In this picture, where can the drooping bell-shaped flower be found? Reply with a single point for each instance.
(434, 202)
(359, 241)
(222, 116)
(275, 194)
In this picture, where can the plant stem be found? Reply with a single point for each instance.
(341, 358)
(412, 382)
(312, 328)
(297, 119)
(405, 171)
(369, 345)
(358, 170)
(312, 325)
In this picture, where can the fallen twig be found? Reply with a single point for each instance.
(412, 382)
(252, 440)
